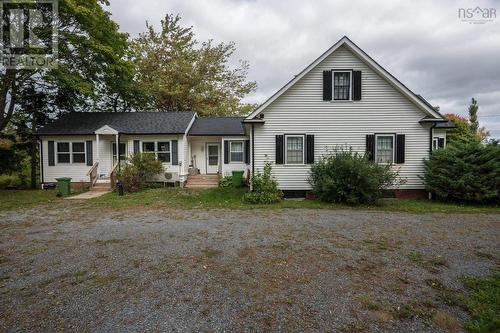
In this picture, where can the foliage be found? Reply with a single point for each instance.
(232, 198)
(474, 123)
(179, 74)
(226, 181)
(264, 188)
(349, 177)
(465, 173)
(12, 182)
(467, 130)
(484, 303)
(140, 168)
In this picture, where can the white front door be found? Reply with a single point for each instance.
(213, 157)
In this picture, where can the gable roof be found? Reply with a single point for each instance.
(217, 126)
(429, 110)
(80, 123)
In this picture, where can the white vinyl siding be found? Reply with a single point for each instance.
(301, 109)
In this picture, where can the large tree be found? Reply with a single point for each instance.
(93, 69)
(179, 74)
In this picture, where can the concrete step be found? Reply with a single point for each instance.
(201, 185)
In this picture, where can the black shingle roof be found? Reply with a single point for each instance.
(218, 126)
(123, 122)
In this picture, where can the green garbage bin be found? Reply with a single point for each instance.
(238, 178)
(63, 186)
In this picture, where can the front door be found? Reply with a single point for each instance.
(213, 157)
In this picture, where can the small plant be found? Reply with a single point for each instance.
(139, 169)
(265, 188)
(226, 181)
(345, 176)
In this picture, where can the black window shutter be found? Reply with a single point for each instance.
(137, 145)
(327, 85)
(247, 151)
(309, 149)
(226, 152)
(356, 85)
(440, 142)
(370, 146)
(400, 148)
(279, 149)
(52, 157)
(90, 160)
(175, 152)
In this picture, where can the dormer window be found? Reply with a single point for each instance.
(341, 86)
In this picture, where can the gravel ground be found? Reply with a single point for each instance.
(71, 269)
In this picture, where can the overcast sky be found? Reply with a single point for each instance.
(423, 43)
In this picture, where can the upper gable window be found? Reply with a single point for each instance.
(341, 86)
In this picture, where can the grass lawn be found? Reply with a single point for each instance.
(484, 303)
(232, 198)
(14, 199)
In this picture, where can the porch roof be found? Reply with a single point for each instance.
(217, 126)
(86, 123)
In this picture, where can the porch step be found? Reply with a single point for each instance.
(202, 181)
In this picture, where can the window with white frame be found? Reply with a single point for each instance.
(435, 143)
(78, 152)
(384, 148)
(341, 86)
(294, 149)
(71, 152)
(163, 153)
(160, 149)
(63, 152)
(236, 151)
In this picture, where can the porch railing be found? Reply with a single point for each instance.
(112, 175)
(92, 173)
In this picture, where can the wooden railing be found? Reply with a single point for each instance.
(93, 174)
(112, 175)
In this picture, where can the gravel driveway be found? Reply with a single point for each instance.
(74, 269)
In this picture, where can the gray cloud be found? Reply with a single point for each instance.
(423, 43)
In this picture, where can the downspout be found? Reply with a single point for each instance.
(41, 160)
(118, 153)
(253, 150)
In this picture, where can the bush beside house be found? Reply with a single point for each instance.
(465, 172)
(345, 176)
(264, 188)
(140, 168)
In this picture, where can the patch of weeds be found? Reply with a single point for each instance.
(102, 280)
(109, 241)
(281, 246)
(446, 295)
(412, 310)
(383, 316)
(44, 283)
(369, 304)
(211, 253)
(483, 303)
(430, 263)
(446, 321)
(485, 255)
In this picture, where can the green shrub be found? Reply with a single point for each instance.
(226, 181)
(467, 172)
(140, 168)
(264, 188)
(349, 177)
(10, 182)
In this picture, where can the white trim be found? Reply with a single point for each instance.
(350, 86)
(106, 130)
(207, 156)
(242, 151)
(70, 152)
(393, 147)
(156, 151)
(366, 59)
(303, 148)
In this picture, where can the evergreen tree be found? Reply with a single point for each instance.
(474, 123)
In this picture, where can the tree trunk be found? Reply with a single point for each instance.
(8, 85)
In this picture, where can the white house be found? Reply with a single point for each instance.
(344, 98)
(82, 145)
